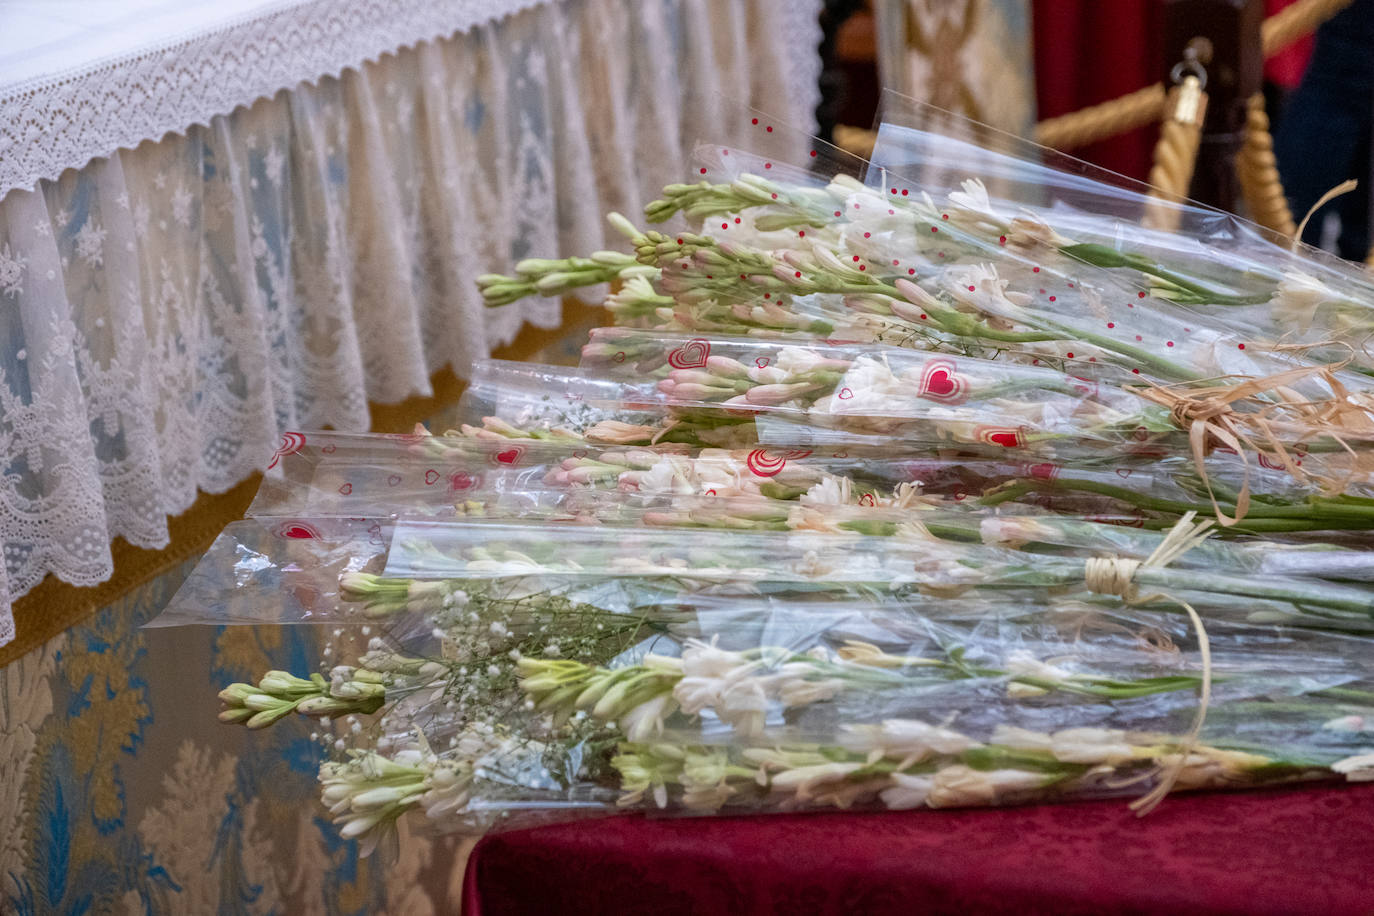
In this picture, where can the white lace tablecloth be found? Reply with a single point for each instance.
(170, 304)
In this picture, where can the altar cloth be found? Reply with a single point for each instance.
(1279, 851)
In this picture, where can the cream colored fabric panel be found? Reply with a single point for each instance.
(971, 57)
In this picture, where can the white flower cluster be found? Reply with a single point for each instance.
(1021, 664)
(713, 470)
(904, 763)
(740, 689)
(367, 792)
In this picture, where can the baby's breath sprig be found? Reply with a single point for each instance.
(484, 633)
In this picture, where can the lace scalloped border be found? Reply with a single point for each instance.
(65, 120)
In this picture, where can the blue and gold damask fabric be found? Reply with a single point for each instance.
(120, 792)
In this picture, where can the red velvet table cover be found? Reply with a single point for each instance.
(1280, 851)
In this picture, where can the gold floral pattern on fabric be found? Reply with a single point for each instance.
(118, 795)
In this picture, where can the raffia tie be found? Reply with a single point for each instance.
(1116, 576)
(1345, 187)
(1209, 416)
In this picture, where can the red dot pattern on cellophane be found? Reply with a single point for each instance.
(1106, 301)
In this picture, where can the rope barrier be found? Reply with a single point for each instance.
(1096, 122)
(1139, 108)
(1176, 153)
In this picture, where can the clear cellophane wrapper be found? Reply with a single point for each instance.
(552, 694)
(498, 642)
(1301, 294)
(987, 276)
(816, 526)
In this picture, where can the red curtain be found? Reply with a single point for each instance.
(1090, 51)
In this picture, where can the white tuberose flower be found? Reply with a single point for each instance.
(741, 689)
(1349, 724)
(706, 659)
(1020, 738)
(963, 785)
(973, 201)
(646, 720)
(1071, 745)
(743, 705)
(666, 476)
(831, 491)
(795, 361)
(868, 388)
(1091, 745)
(1021, 662)
(910, 740)
(1359, 768)
(981, 288)
(804, 780)
(907, 791)
(1298, 297)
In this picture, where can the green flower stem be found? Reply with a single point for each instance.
(1110, 258)
(1319, 513)
(1165, 368)
(949, 320)
(1053, 330)
(1304, 593)
(553, 277)
(966, 326)
(1363, 697)
(1115, 689)
(660, 250)
(952, 531)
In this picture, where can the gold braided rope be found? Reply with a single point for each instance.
(1296, 21)
(1175, 157)
(1136, 109)
(1097, 122)
(1259, 175)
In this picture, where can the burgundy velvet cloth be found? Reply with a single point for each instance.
(1278, 851)
(1091, 51)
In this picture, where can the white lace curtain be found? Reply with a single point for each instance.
(167, 312)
